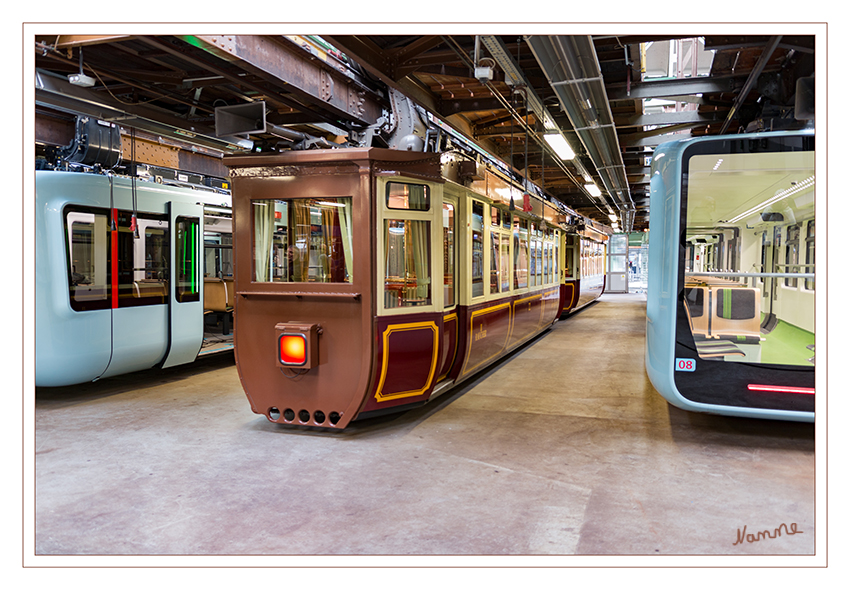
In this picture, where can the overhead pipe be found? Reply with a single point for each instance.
(570, 64)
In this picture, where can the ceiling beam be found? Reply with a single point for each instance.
(682, 117)
(300, 73)
(803, 43)
(380, 64)
(665, 88)
(61, 95)
(410, 57)
(72, 41)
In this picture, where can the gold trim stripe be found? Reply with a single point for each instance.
(386, 357)
(449, 318)
(472, 317)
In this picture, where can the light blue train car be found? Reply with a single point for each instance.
(119, 267)
(731, 293)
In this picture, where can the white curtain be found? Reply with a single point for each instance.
(420, 232)
(263, 230)
(347, 246)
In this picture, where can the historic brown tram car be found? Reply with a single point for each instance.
(584, 266)
(368, 280)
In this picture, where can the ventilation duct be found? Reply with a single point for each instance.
(570, 65)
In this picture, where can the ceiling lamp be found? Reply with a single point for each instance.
(558, 143)
(593, 190)
(81, 79)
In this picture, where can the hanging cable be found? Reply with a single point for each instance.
(513, 105)
(525, 122)
(525, 108)
(111, 197)
(111, 205)
(133, 220)
(542, 168)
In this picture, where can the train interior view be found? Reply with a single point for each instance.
(749, 262)
(219, 293)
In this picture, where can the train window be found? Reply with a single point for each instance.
(89, 259)
(403, 195)
(218, 254)
(188, 266)
(499, 262)
(810, 253)
(743, 225)
(495, 273)
(407, 281)
(537, 262)
(448, 254)
(303, 240)
(532, 271)
(505, 262)
(495, 217)
(143, 261)
(520, 253)
(792, 254)
(569, 245)
(477, 249)
(556, 260)
(584, 258)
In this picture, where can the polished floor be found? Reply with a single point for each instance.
(562, 449)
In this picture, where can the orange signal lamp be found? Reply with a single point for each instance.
(297, 345)
(293, 349)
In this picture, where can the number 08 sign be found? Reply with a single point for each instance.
(686, 365)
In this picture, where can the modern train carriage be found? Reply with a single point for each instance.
(731, 294)
(369, 281)
(121, 271)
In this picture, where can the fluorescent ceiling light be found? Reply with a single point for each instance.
(793, 189)
(612, 217)
(593, 190)
(560, 145)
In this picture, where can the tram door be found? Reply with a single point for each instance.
(618, 255)
(185, 299)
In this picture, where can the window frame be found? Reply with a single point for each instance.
(104, 302)
(348, 265)
(809, 284)
(434, 217)
(130, 292)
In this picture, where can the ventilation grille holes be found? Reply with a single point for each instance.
(318, 418)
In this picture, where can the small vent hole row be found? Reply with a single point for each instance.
(289, 415)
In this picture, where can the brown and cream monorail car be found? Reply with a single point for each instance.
(367, 281)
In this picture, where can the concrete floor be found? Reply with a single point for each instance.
(562, 449)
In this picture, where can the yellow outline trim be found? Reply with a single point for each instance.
(448, 318)
(386, 340)
(472, 317)
(523, 300)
